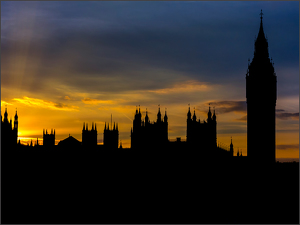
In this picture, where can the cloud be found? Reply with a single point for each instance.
(96, 101)
(286, 116)
(187, 86)
(229, 106)
(34, 102)
(287, 147)
(5, 103)
(67, 98)
(243, 118)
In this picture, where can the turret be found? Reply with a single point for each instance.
(209, 114)
(5, 115)
(231, 148)
(158, 115)
(189, 115)
(166, 117)
(214, 116)
(194, 116)
(146, 117)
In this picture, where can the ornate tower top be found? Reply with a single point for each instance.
(194, 116)
(158, 114)
(16, 116)
(5, 114)
(209, 113)
(189, 115)
(165, 117)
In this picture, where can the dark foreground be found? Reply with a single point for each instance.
(121, 187)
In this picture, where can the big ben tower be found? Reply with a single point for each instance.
(261, 85)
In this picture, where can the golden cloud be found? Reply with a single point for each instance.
(188, 86)
(45, 104)
(5, 103)
(96, 101)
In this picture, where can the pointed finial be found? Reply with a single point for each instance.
(261, 14)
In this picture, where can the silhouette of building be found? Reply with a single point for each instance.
(89, 137)
(9, 130)
(145, 134)
(111, 137)
(231, 148)
(201, 134)
(261, 95)
(48, 139)
(69, 142)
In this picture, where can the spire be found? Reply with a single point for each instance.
(158, 114)
(165, 117)
(261, 52)
(16, 115)
(214, 115)
(37, 141)
(231, 143)
(146, 117)
(83, 126)
(209, 113)
(6, 114)
(189, 115)
(136, 111)
(194, 116)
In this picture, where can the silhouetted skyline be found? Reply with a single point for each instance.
(61, 67)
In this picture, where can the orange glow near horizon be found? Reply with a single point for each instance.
(36, 114)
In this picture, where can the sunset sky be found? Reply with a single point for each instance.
(66, 63)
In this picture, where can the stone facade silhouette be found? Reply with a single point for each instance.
(89, 137)
(203, 134)
(49, 139)
(9, 130)
(146, 134)
(111, 136)
(261, 95)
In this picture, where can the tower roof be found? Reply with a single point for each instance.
(16, 115)
(261, 44)
(261, 61)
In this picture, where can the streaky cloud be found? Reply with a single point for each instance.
(34, 102)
